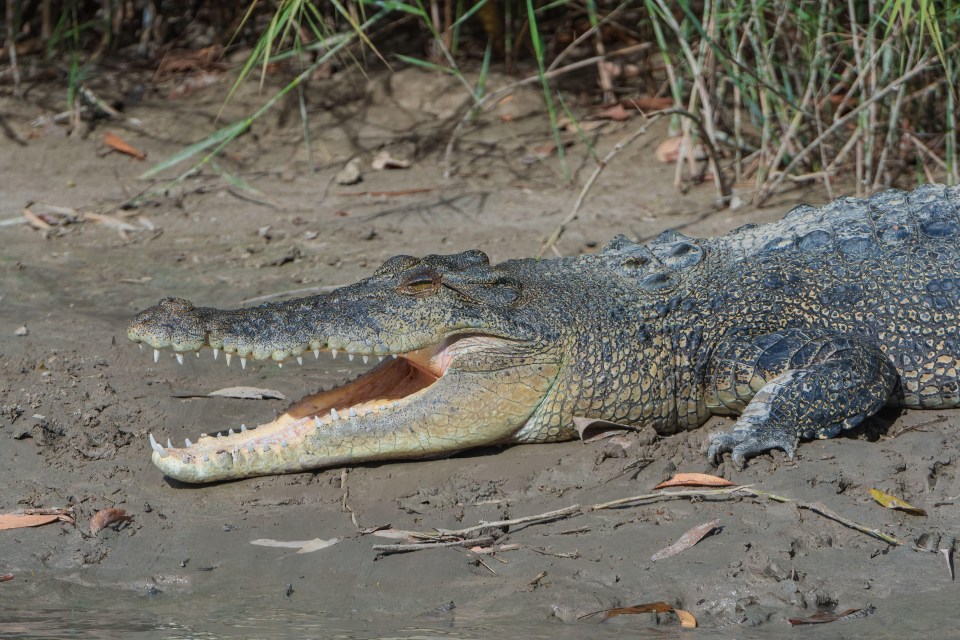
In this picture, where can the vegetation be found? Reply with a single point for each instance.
(771, 91)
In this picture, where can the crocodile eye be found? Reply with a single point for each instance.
(419, 285)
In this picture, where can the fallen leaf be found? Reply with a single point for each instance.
(891, 502)
(694, 480)
(670, 149)
(302, 546)
(592, 429)
(384, 160)
(22, 520)
(686, 619)
(649, 607)
(648, 103)
(33, 518)
(394, 534)
(117, 143)
(247, 393)
(825, 616)
(110, 221)
(106, 517)
(6, 577)
(687, 540)
(616, 113)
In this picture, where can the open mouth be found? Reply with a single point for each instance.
(396, 382)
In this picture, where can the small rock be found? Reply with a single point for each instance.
(22, 331)
(350, 174)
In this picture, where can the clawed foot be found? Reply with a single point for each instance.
(748, 442)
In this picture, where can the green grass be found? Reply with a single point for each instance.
(780, 91)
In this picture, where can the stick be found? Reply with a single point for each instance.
(549, 75)
(542, 517)
(387, 549)
(667, 495)
(817, 507)
(617, 148)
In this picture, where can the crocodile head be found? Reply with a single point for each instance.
(467, 358)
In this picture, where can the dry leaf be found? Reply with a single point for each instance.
(110, 221)
(891, 502)
(687, 540)
(384, 160)
(686, 619)
(670, 149)
(592, 429)
(302, 546)
(826, 616)
(649, 607)
(22, 520)
(648, 103)
(616, 113)
(117, 143)
(694, 480)
(247, 393)
(6, 577)
(106, 517)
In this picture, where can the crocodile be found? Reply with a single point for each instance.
(802, 328)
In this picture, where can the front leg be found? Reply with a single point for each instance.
(793, 384)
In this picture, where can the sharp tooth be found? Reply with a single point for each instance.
(316, 422)
(334, 414)
(230, 432)
(156, 447)
(299, 360)
(316, 353)
(219, 433)
(216, 352)
(394, 356)
(179, 358)
(380, 358)
(188, 443)
(198, 353)
(156, 355)
(352, 413)
(333, 352)
(243, 362)
(366, 359)
(140, 344)
(243, 427)
(350, 355)
(280, 365)
(228, 356)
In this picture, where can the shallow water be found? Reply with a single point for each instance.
(55, 609)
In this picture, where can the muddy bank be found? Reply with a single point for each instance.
(78, 400)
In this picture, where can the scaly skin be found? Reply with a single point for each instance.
(803, 328)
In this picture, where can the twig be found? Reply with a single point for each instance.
(387, 549)
(572, 510)
(832, 515)
(575, 209)
(493, 96)
(667, 495)
(767, 190)
(914, 427)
